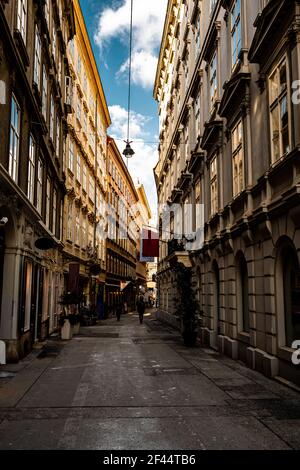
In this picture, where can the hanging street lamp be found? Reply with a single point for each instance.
(128, 151)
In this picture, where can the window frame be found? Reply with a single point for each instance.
(238, 151)
(14, 138)
(276, 103)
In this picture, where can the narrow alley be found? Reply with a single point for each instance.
(130, 386)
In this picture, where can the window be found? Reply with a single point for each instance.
(186, 73)
(52, 118)
(214, 186)
(44, 93)
(197, 115)
(84, 177)
(39, 186)
(54, 213)
(77, 227)
(28, 291)
(187, 214)
(48, 196)
(279, 111)
(78, 114)
(37, 58)
(79, 66)
(85, 83)
(57, 136)
(14, 143)
(47, 12)
(70, 221)
(186, 142)
(72, 47)
(197, 35)
(31, 169)
(213, 79)
(53, 37)
(291, 282)
(91, 188)
(236, 35)
(85, 122)
(238, 159)
(71, 155)
(22, 18)
(78, 171)
(198, 211)
(83, 233)
(212, 6)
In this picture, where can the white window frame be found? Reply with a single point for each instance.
(236, 32)
(31, 169)
(39, 186)
(22, 18)
(213, 78)
(37, 58)
(214, 192)
(14, 142)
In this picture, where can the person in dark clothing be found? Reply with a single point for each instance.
(119, 312)
(140, 307)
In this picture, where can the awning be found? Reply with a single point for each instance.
(124, 285)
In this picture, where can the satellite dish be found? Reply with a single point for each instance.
(44, 243)
(95, 269)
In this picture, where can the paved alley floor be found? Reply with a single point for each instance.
(130, 386)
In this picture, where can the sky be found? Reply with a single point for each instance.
(108, 23)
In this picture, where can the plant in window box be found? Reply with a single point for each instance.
(187, 306)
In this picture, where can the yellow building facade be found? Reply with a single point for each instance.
(85, 165)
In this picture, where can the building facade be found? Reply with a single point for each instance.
(143, 216)
(229, 110)
(33, 106)
(85, 169)
(122, 232)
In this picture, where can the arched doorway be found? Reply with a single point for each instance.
(242, 290)
(288, 293)
(216, 297)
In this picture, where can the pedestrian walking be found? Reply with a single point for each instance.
(119, 312)
(140, 307)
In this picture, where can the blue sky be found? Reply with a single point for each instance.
(108, 26)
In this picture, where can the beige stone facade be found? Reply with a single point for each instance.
(33, 66)
(229, 140)
(85, 164)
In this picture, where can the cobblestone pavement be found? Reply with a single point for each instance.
(131, 386)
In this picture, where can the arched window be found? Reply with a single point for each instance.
(242, 295)
(291, 290)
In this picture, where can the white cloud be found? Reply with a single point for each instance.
(148, 20)
(146, 155)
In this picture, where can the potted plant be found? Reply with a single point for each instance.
(70, 322)
(66, 331)
(187, 306)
